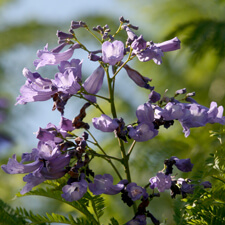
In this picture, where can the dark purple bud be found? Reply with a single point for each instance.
(183, 165)
(180, 92)
(140, 80)
(63, 35)
(94, 57)
(123, 20)
(77, 24)
(131, 35)
(133, 27)
(154, 97)
(206, 184)
(94, 83)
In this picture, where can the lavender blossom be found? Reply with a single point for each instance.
(138, 44)
(112, 52)
(151, 53)
(160, 181)
(170, 45)
(103, 184)
(192, 115)
(53, 133)
(154, 97)
(135, 192)
(105, 123)
(48, 163)
(54, 56)
(35, 88)
(94, 83)
(185, 187)
(145, 129)
(75, 190)
(183, 165)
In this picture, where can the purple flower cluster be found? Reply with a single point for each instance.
(61, 152)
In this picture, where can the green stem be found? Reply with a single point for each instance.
(105, 156)
(111, 93)
(87, 28)
(128, 59)
(131, 148)
(108, 159)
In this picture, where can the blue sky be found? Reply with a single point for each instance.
(56, 11)
(38, 114)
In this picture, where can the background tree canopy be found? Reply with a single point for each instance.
(199, 66)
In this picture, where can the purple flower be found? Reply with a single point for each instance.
(185, 187)
(54, 56)
(151, 53)
(173, 111)
(161, 181)
(215, 114)
(137, 220)
(206, 184)
(170, 45)
(145, 129)
(48, 163)
(75, 190)
(94, 83)
(192, 114)
(140, 80)
(154, 97)
(53, 133)
(135, 192)
(183, 165)
(138, 44)
(105, 123)
(35, 88)
(73, 66)
(112, 52)
(103, 184)
(63, 37)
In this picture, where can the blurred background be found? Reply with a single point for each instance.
(27, 26)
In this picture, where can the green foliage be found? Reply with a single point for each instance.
(83, 205)
(8, 216)
(52, 218)
(202, 36)
(206, 207)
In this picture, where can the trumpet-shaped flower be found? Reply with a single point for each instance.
(54, 56)
(75, 190)
(94, 83)
(48, 164)
(161, 182)
(105, 123)
(145, 129)
(112, 52)
(103, 184)
(35, 88)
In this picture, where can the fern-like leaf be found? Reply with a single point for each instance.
(9, 216)
(52, 218)
(80, 205)
(97, 203)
